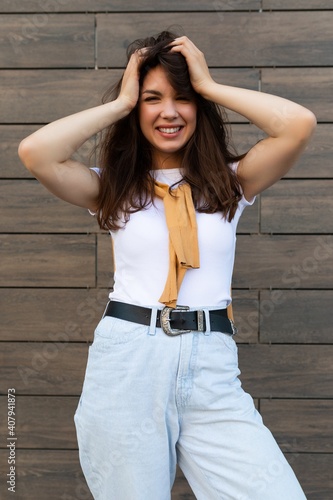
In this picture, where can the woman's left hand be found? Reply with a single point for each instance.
(196, 62)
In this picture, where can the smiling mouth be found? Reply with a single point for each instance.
(169, 130)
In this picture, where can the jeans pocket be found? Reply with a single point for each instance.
(113, 331)
(227, 340)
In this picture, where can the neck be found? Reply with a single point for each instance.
(165, 161)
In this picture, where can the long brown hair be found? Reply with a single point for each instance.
(125, 157)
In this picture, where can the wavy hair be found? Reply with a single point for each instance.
(125, 156)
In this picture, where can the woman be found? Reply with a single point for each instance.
(161, 384)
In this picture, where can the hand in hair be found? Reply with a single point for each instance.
(196, 62)
(129, 92)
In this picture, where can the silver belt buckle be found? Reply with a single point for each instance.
(165, 320)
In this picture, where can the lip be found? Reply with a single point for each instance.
(168, 127)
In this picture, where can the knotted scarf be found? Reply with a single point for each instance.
(183, 237)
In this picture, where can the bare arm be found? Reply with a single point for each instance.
(47, 152)
(288, 125)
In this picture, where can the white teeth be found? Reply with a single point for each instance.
(169, 130)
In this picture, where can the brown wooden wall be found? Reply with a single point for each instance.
(57, 57)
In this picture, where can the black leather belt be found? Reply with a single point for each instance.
(173, 321)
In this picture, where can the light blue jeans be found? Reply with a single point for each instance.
(150, 401)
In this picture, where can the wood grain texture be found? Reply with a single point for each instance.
(43, 368)
(297, 206)
(47, 260)
(249, 39)
(296, 4)
(55, 474)
(283, 418)
(44, 421)
(10, 164)
(283, 371)
(41, 40)
(296, 316)
(43, 96)
(315, 92)
(303, 371)
(47, 422)
(283, 261)
(55, 6)
(54, 286)
(315, 473)
(317, 160)
(52, 315)
(27, 207)
(46, 95)
(246, 314)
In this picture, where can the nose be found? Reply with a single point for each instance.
(169, 110)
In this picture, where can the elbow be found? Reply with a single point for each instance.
(307, 125)
(27, 153)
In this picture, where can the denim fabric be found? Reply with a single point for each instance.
(150, 401)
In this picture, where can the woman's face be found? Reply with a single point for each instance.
(167, 119)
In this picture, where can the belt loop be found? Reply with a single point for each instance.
(207, 320)
(153, 317)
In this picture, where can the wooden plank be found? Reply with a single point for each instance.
(296, 4)
(246, 314)
(281, 371)
(314, 471)
(71, 315)
(43, 421)
(296, 316)
(51, 474)
(315, 91)
(54, 6)
(249, 39)
(283, 261)
(284, 371)
(316, 161)
(43, 368)
(297, 206)
(47, 95)
(53, 315)
(47, 260)
(27, 207)
(43, 41)
(283, 418)
(55, 474)
(10, 164)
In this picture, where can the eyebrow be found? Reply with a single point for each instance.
(155, 92)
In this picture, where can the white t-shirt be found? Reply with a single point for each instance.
(141, 252)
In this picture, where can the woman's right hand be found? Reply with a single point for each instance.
(129, 92)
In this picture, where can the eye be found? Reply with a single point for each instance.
(150, 99)
(182, 98)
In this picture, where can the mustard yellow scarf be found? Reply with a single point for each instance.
(183, 239)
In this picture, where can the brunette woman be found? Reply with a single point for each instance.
(161, 384)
